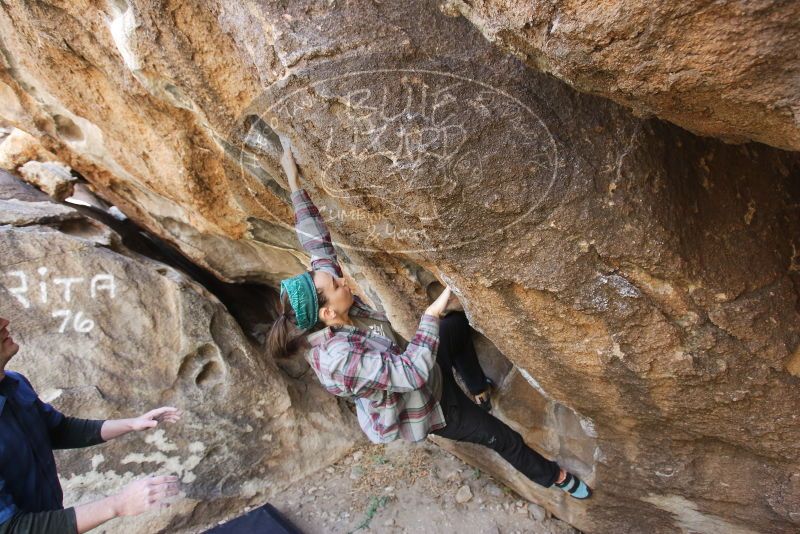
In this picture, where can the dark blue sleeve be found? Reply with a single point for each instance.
(49, 522)
(7, 507)
(51, 417)
(74, 433)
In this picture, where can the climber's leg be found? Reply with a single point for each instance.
(456, 349)
(467, 422)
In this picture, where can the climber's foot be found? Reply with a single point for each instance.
(574, 486)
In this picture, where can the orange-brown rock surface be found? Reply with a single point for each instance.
(642, 280)
(723, 69)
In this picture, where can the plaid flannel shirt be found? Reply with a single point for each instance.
(388, 384)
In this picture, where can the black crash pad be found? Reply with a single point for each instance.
(263, 520)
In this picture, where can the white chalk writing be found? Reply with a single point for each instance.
(107, 282)
(79, 324)
(30, 289)
(67, 283)
(20, 291)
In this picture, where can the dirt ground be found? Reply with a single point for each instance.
(410, 488)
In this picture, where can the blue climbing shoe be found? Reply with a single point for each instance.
(575, 487)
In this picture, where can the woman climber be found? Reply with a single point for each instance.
(401, 390)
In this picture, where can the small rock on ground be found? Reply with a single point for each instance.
(463, 495)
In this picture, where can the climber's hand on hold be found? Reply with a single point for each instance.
(453, 305)
(438, 306)
(289, 165)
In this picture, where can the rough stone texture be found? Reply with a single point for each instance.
(18, 213)
(722, 69)
(555, 429)
(19, 147)
(127, 334)
(644, 279)
(50, 177)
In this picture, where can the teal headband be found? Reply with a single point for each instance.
(303, 297)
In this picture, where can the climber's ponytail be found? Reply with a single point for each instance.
(284, 337)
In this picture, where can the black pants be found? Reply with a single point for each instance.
(468, 422)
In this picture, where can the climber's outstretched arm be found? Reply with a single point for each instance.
(308, 223)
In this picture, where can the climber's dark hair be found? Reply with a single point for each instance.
(284, 337)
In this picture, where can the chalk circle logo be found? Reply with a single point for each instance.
(415, 160)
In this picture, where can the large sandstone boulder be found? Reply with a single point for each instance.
(105, 333)
(18, 148)
(641, 280)
(723, 69)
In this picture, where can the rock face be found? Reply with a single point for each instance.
(106, 334)
(18, 148)
(722, 69)
(642, 281)
(51, 177)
